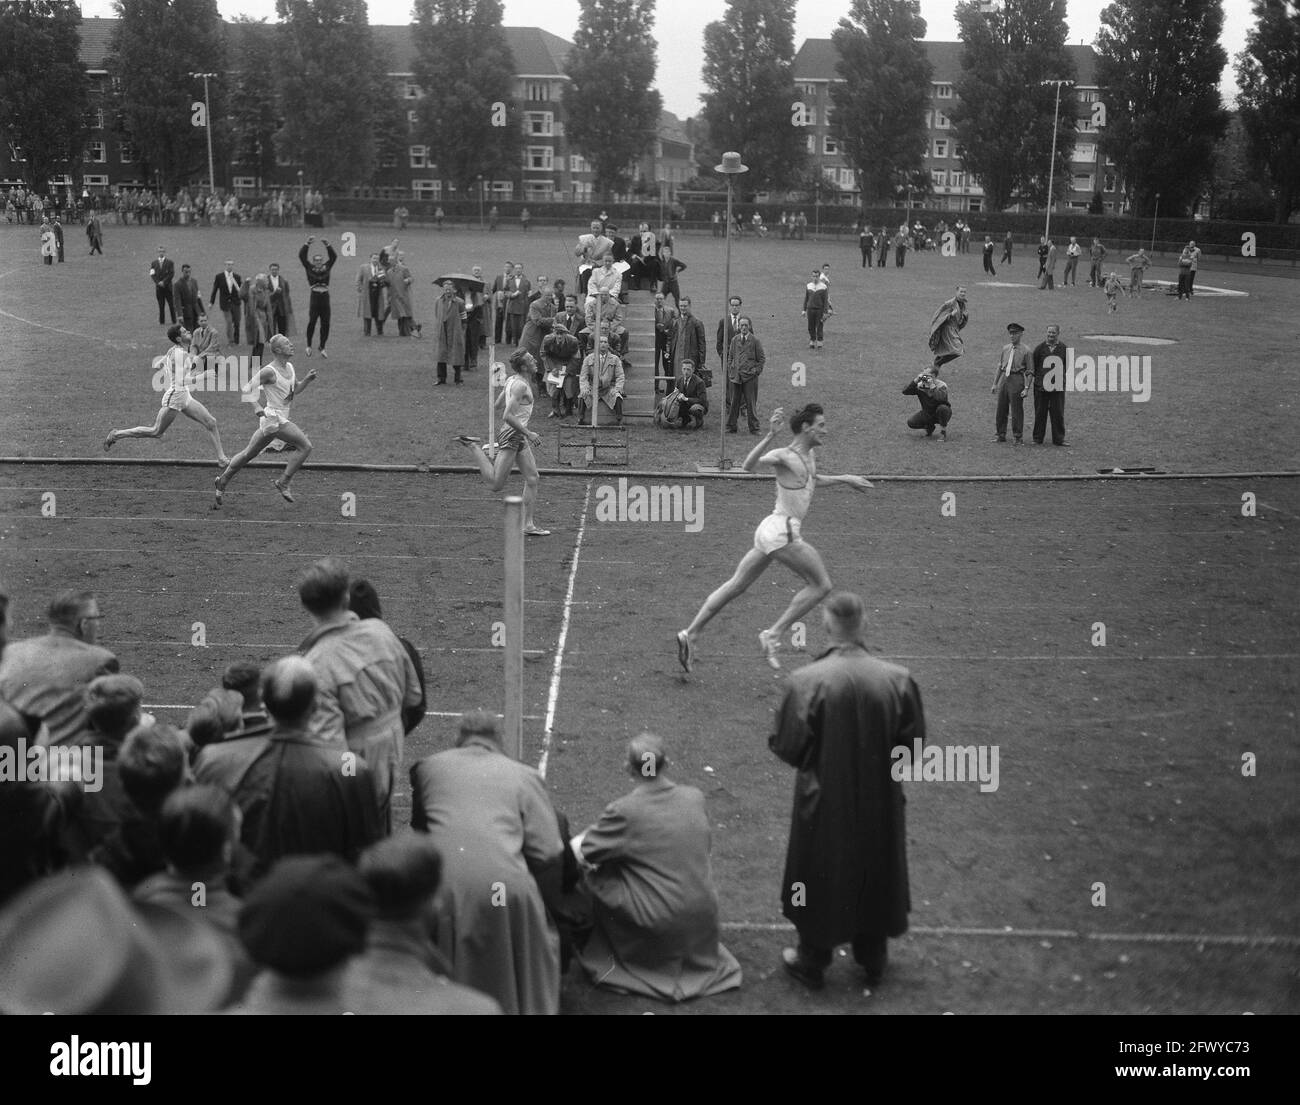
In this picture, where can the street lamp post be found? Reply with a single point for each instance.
(730, 167)
(1051, 168)
(481, 186)
(302, 199)
(207, 114)
(1154, 219)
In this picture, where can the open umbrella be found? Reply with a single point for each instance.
(459, 278)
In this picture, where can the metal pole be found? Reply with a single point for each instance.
(1051, 168)
(514, 613)
(207, 107)
(1154, 219)
(726, 351)
(595, 375)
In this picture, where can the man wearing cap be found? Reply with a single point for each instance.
(1011, 385)
(188, 298)
(1049, 387)
(162, 272)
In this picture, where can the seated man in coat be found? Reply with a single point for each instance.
(655, 910)
(603, 376)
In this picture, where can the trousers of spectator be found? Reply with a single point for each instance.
(565, 396)
(1071, 270)
(1135, 281)
(378, 319)
(498, 322)
(317, 311)
(663, 371)
(584, 409)
(514, 329)
(279, 321)
(1191, 282)
(97, 246)
(164, 296)
(473, 334)
(1094, 275)
(988, 264)
(1047, 280)
(743, 394)
(1010, 399)
(383, 756)
(869, 952)
(189, 316)
(442, 372)
(690, 418)
(816, 319)
(1006, 255)
(899, 252)
(232, 323)
(922, 421)
(1184, 283)
(866, 257)
(1049, 404)
(882, 255)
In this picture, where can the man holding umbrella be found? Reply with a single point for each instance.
(449, 326)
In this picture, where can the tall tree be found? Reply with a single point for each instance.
(880, 105)
(749, 78)
(464, 66)
(611, 112)
(1158, 67)
(388, 108)
(40, 47)
(254, 105)
(326, 76)
(154, 48)
(1268, 74)
(1002, 112)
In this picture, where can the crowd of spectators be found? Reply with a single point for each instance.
(154, 207)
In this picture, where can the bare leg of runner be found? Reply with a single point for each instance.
(166, 416)
(751, 566)
(805, 561)
(199, 413)
(292, 434)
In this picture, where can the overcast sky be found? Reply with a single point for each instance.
(680, 29)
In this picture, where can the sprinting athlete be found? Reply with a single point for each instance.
(778, 535)
(279, 385)
(178, 364)
(515, 440)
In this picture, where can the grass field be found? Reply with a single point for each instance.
(1119, 764)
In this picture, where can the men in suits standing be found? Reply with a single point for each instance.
(281, 303)
(500, 286)
(162, 272)
(58, 237)
(372, 302)
(226, 287)
(1011, 385)
(188, 298)
(688, 342)
(727, 326)
(744, 366)
(516, 299)
(1049, 388)
(665, 323)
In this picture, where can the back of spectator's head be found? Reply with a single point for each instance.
(196, 829)
(246, 679)
(289, 689)
(845, 614)
(403, 873)
(113, 704)
(68, 608)
(478, 723)
(364, 599)
(220, 712)
(323, 588)
(645, 756)
(153, 762)
(307, 916)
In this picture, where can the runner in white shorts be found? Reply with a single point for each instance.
(177, 366)
(279, 385)
(778, 536)
(515, 440)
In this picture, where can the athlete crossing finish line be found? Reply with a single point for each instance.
(778, 536)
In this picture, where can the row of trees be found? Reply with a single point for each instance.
(313, 90)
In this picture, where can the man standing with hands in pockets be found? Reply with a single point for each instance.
(1011, 385)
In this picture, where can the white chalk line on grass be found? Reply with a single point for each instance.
(1095, 657)
(553, 692)
(1208, 938)
(427, 713)
(71, 333)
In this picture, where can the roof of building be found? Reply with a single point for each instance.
(817, 58)
(537, 53)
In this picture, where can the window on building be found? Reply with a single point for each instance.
(976, 205)
(582, 190)
(941, 121)
(1086, 151)
(412, 117)
(537, 91)
(388, 161)
(1108, 182)
(419, 156)
(94, 118)
(830, 144)
(943, 91)
(810, 142)
(95, 180)
(540, 123)
(426, 189)
(939, 178)
(578, 163)
(502, 189)
(411, 90)
(941, 147)
(126, 153)
(539, 157)
(957, 179)
(1088, 95)
(539, 189)
(847, 180)
(807, 91)
(95, 153)
(1083, 182)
